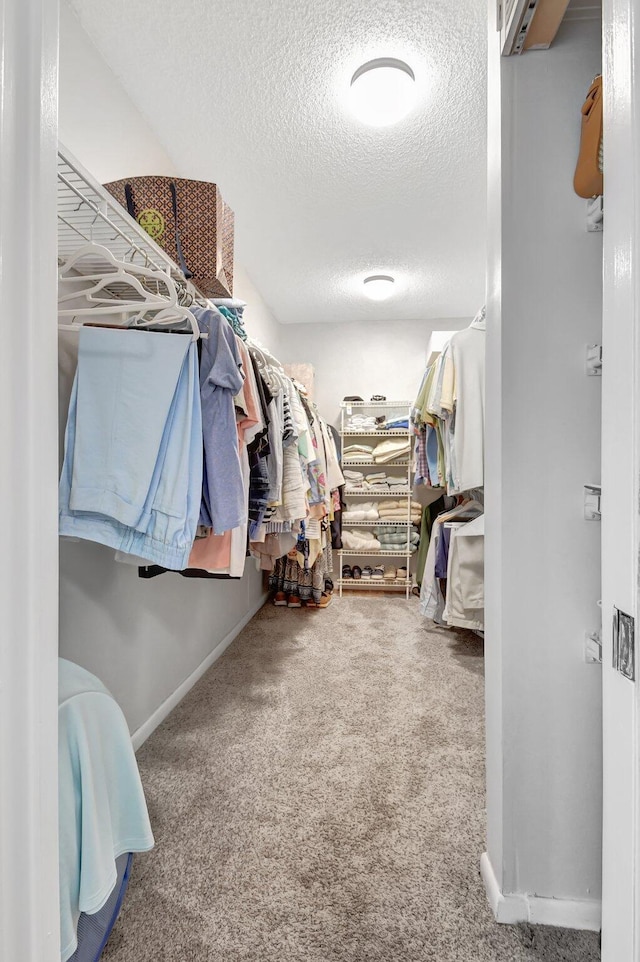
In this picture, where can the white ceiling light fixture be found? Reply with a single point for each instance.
(379, 287)
(383, 91)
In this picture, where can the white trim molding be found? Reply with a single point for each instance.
(29, 907)
(537, 910)
(141, 734)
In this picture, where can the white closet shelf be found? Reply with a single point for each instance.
(347, 552)
(403, 494)
(379, 583)
(375, 464)
(400, 523)
(376, 494)
(391, 433)
(374, 404)
(87, 213)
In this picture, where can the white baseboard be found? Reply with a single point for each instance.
(520, 907)
(141, 734)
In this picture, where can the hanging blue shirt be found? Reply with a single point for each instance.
(224, 500)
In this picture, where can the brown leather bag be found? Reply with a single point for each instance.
(588, 179)
(190, 221)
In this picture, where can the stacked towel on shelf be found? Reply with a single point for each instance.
(360, 541)
(378, 483)
(391, 450)
(392, 510)
(357, 452)
(393, 539)
(354, 479)
(367, 511)
(397, 535)
(396, 484)
(361, 422)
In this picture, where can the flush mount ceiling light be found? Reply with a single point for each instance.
(378, 287)
(382, 92)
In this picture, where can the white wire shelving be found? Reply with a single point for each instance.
(404, 494)
(87, 213)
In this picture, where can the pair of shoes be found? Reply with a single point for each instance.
(294, 602)
(280, 599)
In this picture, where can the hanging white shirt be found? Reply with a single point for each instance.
(467, 352)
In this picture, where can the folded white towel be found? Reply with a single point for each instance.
(360, 541)
(352, 449)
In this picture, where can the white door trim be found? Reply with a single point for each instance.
(620, 451)
(29, 913)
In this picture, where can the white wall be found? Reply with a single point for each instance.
(142, 638)
(543, 577)
(363, 358)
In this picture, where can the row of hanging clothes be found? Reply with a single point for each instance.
(187, 447)
(447, 420)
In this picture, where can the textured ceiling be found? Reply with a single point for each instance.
(251, 94)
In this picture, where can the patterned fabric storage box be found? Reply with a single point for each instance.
(190, 221)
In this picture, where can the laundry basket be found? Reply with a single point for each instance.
(94, 930)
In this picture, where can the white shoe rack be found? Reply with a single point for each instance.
(347, 436)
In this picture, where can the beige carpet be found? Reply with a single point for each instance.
(318, 797)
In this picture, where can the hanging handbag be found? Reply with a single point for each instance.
(588, 179)
(190, 221)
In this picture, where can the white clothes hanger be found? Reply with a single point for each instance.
(126, 274)
(169, 316)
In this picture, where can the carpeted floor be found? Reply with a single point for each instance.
(319, 797)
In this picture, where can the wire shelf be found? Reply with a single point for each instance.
(391, 433)
(87, 213)
(376, 464)
(400, 523)
(376, 494)
(350, 553)
(378, 583)
(374, 404)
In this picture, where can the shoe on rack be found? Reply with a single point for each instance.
(367, 572)
(378, 573)
(347, 572)
(402, 574)
(280, 599)
(294, 602)
(390, 573)
(357, 572)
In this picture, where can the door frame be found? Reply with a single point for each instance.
(29, 897)
(620, 476)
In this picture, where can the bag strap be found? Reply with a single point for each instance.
(174, 203)
(128, 194)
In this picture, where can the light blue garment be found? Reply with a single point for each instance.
(132, 472)
(103, 813)
(432, 455)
